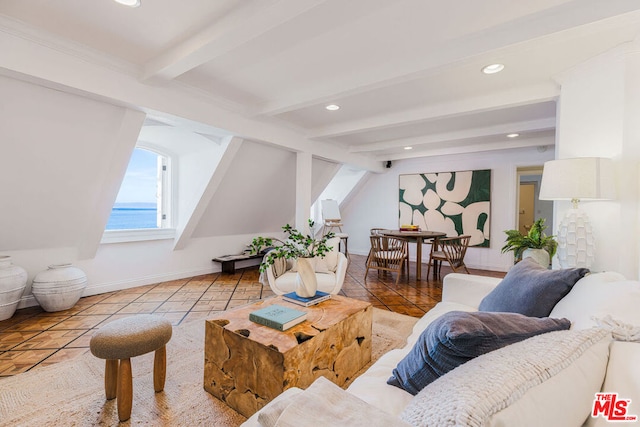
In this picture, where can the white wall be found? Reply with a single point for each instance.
(376, 203)
(125, 265)
(598, 116)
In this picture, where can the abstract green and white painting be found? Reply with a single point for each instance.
(457, 203)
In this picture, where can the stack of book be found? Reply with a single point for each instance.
(278, 317)
(306, 302)
(409, 227)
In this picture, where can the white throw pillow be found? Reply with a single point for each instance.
(598, 295)
(324, 404)
(623, 377)
(330, 260)
(547, 380)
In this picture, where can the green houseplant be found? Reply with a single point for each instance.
(534, 239)
(297, 246)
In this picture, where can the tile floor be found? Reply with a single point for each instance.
(33, 338)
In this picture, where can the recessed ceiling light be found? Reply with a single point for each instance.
(332, 107)
(493, 68)
(130, 3)
(513, 135)
(408, 148)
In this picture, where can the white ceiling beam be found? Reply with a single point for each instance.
(421, 141)
(522, 96)
(40, 62)
(246, 24)
(472, 148)
(553, 22)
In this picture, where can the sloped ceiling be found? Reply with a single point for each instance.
(63, 158)
(256, 195)
(406, 72)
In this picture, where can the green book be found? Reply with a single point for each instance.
(278, 317)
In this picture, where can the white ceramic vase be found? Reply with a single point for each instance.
(13, 280)
(59, 287)
(306, 281)
(538, 255)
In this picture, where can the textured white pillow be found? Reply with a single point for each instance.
(546, 380)
(330, 260)
(623, 377)
(598, 295)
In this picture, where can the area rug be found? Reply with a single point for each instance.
(71, 393)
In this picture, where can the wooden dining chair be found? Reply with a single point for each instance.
(387, 254)
(449, 249)
(377, 231)
(374, 232)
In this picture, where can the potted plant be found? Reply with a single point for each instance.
(535, 243)
(303, 248)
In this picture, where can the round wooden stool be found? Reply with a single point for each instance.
(118, 342)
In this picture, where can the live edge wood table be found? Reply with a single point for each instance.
(246, 365)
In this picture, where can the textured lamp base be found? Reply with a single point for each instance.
(576, 245)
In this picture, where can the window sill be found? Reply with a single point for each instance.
(121, 236)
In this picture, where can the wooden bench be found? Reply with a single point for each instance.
(229, 261)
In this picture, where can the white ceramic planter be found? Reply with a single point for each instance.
(13, 280)
(538, 255)
(60, 287)
(306, 281)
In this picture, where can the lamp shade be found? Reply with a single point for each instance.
(584, 178)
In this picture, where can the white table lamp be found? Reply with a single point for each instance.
(585, 178)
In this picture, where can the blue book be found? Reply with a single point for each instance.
(278, 317)
(306, 302)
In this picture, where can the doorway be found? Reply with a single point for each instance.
(529, 207)
(526, 206)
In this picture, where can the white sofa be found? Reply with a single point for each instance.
(552, 403)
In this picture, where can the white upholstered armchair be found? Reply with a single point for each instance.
(330, 272)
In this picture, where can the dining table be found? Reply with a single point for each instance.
(419, 237)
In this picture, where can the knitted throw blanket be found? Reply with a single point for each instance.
(472, 393)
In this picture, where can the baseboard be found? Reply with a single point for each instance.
(491, 267)
(30, 301)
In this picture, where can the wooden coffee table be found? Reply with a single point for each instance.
(246, 364)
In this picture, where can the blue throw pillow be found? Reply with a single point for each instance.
(457, 337)
(530, 289)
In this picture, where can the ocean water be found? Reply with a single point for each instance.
(133, 216)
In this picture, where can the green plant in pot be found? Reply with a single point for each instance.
(301, 247)
(535, 244)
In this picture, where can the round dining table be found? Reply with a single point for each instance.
(419, 237)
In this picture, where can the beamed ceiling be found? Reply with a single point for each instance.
(404, 72)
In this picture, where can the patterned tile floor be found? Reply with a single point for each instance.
(33, 338)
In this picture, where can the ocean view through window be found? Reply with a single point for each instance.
(130, 216)
(139, 201)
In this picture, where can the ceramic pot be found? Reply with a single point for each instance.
(59, 287)
(538, 255)
(306, 281)
(13, 280)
